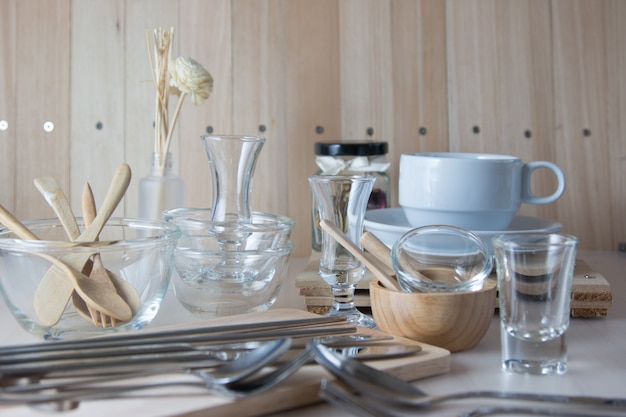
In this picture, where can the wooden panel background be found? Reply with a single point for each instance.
(8, 22)
(540, 79)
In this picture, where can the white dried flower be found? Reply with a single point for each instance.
(182, 77)
(189, 77)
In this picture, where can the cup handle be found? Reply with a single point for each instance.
(528, 196)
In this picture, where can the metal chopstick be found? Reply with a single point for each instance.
(42, 363)
(340, 340)
(195, 334)
(46, 367)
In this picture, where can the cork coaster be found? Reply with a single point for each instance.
(591, 292)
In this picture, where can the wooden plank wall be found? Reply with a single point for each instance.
(540, 79)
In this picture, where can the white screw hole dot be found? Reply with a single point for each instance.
(48, 126)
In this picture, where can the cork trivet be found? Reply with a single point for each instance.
(591, 292)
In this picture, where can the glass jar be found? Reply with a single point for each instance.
(349, 158)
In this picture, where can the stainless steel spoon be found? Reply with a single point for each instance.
(386, 387)
(242, 366)
(231, 380)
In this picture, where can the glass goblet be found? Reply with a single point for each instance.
(342, 200)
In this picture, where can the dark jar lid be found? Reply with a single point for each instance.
(350, 148)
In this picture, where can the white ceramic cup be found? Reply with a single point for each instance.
(474, 191)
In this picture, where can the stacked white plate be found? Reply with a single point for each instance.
(390, 224)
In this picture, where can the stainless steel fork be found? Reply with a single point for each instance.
(390, 389)
(371, 406)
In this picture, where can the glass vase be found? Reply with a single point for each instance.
(232, 160)
(161, 190)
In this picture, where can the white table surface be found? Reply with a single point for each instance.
(597, 351)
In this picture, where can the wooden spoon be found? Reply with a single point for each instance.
(376, 247)
(370, 263)
(94, 294)
(54, 290)
(382, 252)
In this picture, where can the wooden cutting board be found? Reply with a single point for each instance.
(299, 390)
(302, 388)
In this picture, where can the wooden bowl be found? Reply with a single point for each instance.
(455, 321)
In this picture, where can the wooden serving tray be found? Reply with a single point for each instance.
(591, 292)
(299, 390)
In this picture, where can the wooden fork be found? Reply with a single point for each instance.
(98, 271)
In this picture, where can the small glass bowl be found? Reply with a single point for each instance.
(441, 258)
(263, 231)
(213, 283)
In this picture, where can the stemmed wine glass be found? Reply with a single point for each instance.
(342, 199)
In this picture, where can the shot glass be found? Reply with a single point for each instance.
(535, 273)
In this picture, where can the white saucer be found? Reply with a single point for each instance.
(390, 224)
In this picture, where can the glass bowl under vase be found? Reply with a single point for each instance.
(227, 268)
